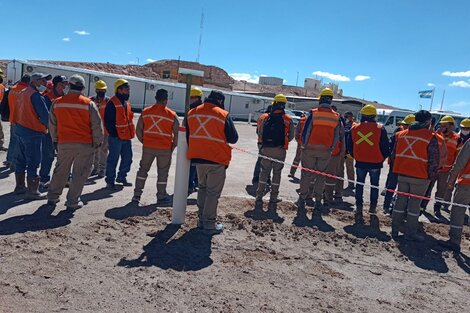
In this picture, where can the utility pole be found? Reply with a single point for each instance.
(442, 101)
(200, 36)
(432, 98)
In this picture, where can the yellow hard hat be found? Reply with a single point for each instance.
(408, 120)
(465, 123)
(280, 98)
(447, 119)
(369, 110)
(100, 84)
(326, 92)
(196, 92)
(118, 83)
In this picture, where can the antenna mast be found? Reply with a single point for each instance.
(200, 36)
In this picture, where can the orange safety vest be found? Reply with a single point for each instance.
(337, 149)
(101, 108)
(2, 92)
(51, 95)
(73, 119)
(411, 153)
(442, 149)
(302, 121)
(366, 140)
(287, 119)
(124, 125)
(158, 123)
(12, 100)
(26, 114)
(324, 123)
(451, 143)
(207, 139)
(464, 176)
(259, 122)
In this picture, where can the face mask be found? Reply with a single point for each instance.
(66, 90)
(100, 94)
(465, 132)
(41, 88)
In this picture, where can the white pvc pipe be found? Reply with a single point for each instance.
(180, 196)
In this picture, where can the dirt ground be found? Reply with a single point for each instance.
(114, 256)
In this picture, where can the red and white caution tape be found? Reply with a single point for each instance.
(406, 194)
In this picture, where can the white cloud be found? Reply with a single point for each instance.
(245, 76)
(460, 83)
(456, 74)
(361, 78)
(81, 32)
(431, 85)
(149, 60)
(66, 39)
(334, 77)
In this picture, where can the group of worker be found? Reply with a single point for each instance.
(327, 143)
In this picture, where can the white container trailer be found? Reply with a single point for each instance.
(142, 90)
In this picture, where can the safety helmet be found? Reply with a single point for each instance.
(465, 123)
(118, 83)
(280, 98)
(326, 92)
(100, 84)
(369, 110)
(447, 119)
(408, 120)
(196, 92)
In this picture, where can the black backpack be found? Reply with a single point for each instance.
(274, 131)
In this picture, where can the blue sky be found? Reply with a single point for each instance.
(396, 47)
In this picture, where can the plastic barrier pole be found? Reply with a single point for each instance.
(180, 196)
(249, 119)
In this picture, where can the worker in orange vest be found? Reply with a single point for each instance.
(209, 131)
(275, 132)
(298, 137)
(319, 138)
(348, 159)
(77, 131)
(32, 119)
(460, 172)
(12, 103)
(369, 146)
(157, 130)
(118, 121)
(2, 135)
(415, 161)
(100, 99)
(195, 99)
(333, 193)
(257, 171)
(59, 87)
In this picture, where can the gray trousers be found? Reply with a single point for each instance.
(317, 160)
(457, 214)
(331, 184)
(296, 161)
(163, 166)
(211, 183)
(101, 155)
(77, 158)
(407, 204)
(277, 153)
(2, 135)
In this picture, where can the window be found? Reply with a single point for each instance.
(247, 105)
(398, 120)
(390, 121)
(166, 74)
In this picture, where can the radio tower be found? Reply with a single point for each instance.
(200, 36)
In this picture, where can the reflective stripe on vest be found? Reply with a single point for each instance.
(411, 141)
(464, 177)
(324, 123)
(72, 112)
(158, 124)
(364, 138)
(201, 132)
(124, 124)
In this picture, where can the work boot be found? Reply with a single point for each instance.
(167, 200)
(136, 199)
(309, 202)
(358, 218)
(33, 193)
(373, 208)
(300, 204)
(74, 206)
(275, 200)
(111, 186)
(20, 187)
(451, 245)
(94, 172)
(52, 202)
(218, 229)
(124, 182)
(437, 210)
(395, 233)
(100, 174)
(318, 207)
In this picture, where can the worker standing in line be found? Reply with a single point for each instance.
(2, 135)
(32, 118)
(333, 193)
(12, 103)
(369, 146)
(275, 132)
(195, 99)
(77, 131)
(464, 134)
(415, 161)
(298, 137)
(348, 159)
(392, 178)
(320, 136)
(209, 132)
(120, 127)
(257, 171)
(59, 89)
(460, 172)
(157, 130)
(100, 99)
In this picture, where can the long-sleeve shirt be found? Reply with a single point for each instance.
(384, 145)
(110, 118)
(139, 131)
(460, 163)
(95, 125)
(309, 125)
(40, 107)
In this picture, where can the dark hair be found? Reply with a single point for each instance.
(76, 88)
(26, 79)
(325, 99)
(349, 113)
(1, 79)
(423, 116)
(216, 97)
(161, 95)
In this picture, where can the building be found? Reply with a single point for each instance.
(312, 84)
(271, 81)
(332, 86)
